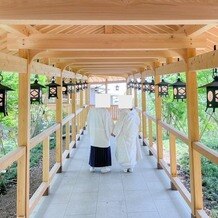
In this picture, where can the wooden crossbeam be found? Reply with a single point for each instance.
(108, 54)
(108, 12)
(19, 30)
(101, 42)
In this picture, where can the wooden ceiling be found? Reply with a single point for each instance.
(108, 37)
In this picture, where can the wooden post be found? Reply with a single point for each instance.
(59, 109)
(193, 134)
(73, 102)
(150, 135)
(23, 167)
(173, 165)
(45, 171)
(144, 121)
(158, 112)
(135, 97)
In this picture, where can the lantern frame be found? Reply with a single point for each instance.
(146, 86)
(36, 91)
(52, 89)
(212, 93)
(3, 97)
(163, 88)
(179, 89)
(152, 86)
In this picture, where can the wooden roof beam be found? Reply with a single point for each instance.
(19, 30)
(104, 12)
(109, 54)
(100, 42)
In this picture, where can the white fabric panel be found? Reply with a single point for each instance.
(102, 100)
(125, 101)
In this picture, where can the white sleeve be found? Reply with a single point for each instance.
(118, 127)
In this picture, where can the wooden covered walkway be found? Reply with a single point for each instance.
(77, 193)
(105, 41)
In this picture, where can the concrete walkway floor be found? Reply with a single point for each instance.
(77, 193)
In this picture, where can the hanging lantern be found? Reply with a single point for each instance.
(3, 97)
(163, 88)
(179, 89)
(36, 91)
(146, 86)
(65, 88)
(152, 86)
(71, 86)
(139, 85)
(135, 85)
(52, 89)
(117, 88)
(212, 92)
(86, 85)
(77, 86)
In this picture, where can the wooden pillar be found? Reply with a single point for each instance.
(135, 97)
(193, 134)
(59, 117)
(144, 121)
(106, 86)
(23, 164)
(158, 112)
(73, 104)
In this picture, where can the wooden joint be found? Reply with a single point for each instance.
(150, 153)
(173, 187)
(46, 193)
(59, 170)
(159, 167)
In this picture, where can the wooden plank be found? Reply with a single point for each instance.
(45, 159)
(193, 135)
(11, 157)
(67, 119)
(158, 114)
(100, 42)
(173, 161)
(201, 214)
(53, 171)
(84, 12)
(176, 67)
(177, 182)
(19, 30)
(175, 132)
(150, 117)
(37, 196)
(67, 136)
(150, 133)
(204, 61)
(12, 63)
(43, 135)
(43, 69)
(23, 183)
(104, 55)
(59, 115)
(209, 153)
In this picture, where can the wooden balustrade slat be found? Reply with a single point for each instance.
(67, 119)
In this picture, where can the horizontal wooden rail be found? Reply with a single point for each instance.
(209, 153)
(11, 157)
(177, 182)
(40, 137)
(149, 117)
(174, 131)
(67, 119)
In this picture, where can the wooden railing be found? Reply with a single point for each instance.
(70, 122)
(171, 170)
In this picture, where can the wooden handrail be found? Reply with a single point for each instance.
(174, 131)
(149, 116)
(209, 153)
(40, 137)
(11, 157)
(67, 119)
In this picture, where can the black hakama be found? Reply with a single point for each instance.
(100, 157)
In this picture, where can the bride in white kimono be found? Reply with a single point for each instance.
(126, 130)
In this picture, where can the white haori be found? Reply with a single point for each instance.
(126, 130)
(99, 127)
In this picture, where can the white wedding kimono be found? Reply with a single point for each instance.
(99, 126)
(126, 130)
